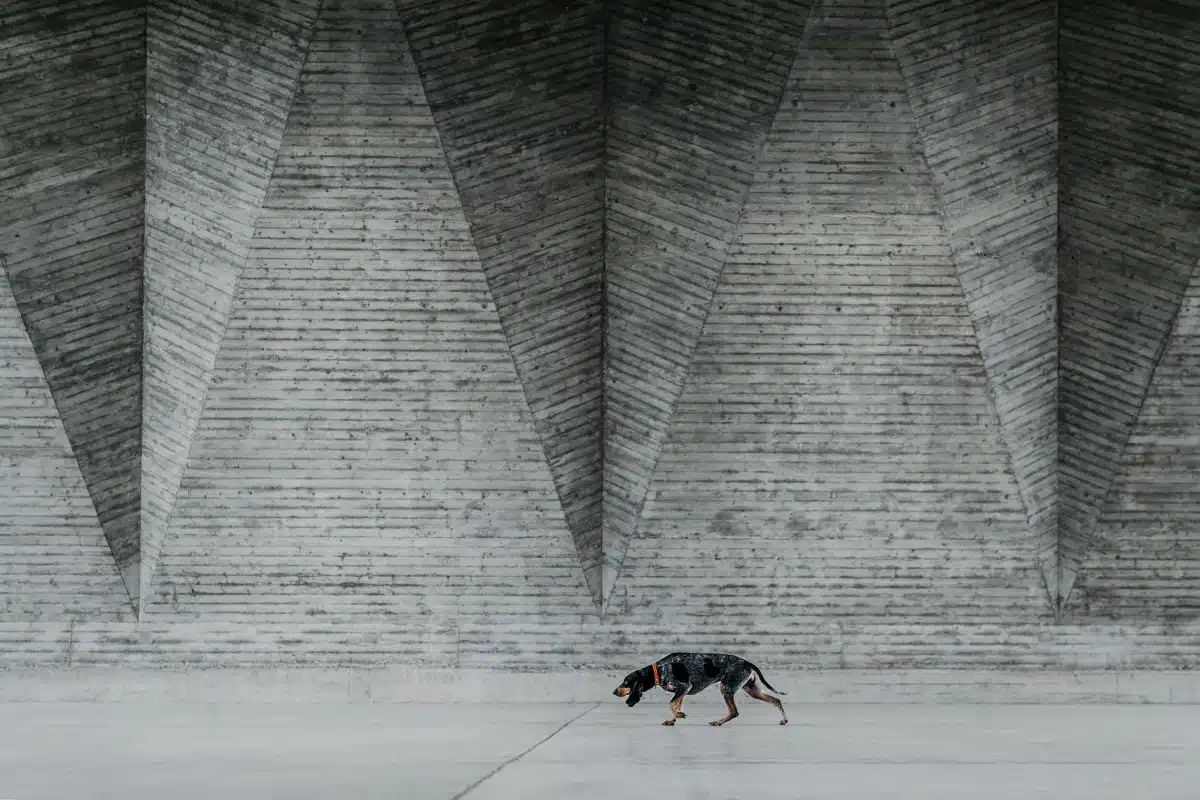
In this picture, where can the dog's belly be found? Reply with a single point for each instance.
(701, 685)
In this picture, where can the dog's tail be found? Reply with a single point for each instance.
(758, 672)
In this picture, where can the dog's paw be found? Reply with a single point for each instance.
(668, 722)
(783, 722)
(681, 715)
(716, 723)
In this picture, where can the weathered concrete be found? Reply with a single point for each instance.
(437, 752)
(517, 634)
(366, 450)
(1130, 221)
(692, 89)
(54, 563)
(72, 120)
(516, 89)
(835, 459)
(395, 451)
(1144, 562)
(407, 684)
(981, 76)
(221, 75)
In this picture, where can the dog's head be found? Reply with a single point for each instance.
(634, 684)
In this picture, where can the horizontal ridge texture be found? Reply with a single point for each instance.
(54, 562)
(220, 80)
(366, 452)
(982, 79)
(72, 118)
(693, 87)
(1130, 221)
(516, 91)
(1145, 563)
(835, 459)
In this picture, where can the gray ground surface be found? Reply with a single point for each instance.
(186, 750)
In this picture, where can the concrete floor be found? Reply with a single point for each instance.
(186, 750)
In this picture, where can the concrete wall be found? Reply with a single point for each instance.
(220, 80)
(1130, 222)
(692, 89)
(483, 334)
(72, 111)
(981, 79)
(516, 90)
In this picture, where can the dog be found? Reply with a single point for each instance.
(691, 673)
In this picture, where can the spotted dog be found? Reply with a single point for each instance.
(691, 673)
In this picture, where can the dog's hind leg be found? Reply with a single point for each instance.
(676, 706)
(752, 689)
(733, 712)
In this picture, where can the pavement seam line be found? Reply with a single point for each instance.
(522, 754)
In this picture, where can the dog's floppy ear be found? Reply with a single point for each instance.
(635, 694)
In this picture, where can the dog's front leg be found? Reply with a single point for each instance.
(676, 706)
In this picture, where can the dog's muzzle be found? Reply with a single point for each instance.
(621, 691)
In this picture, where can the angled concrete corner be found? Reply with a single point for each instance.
(693, 88)
(220, 79)
(520, 116)
(366, 450)
(1144, 562)
(981, 76)
(54, 560)
(1130, 233)
(72, 113)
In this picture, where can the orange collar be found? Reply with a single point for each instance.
(655, 668)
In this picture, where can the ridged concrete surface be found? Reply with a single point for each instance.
(1145, 563)
(54, 561)
(835, 458)
(221, 76)
(404, 430)
(692, 89)
(1130, 221)
(982, 80)
(366, 452)
(516, 90)
(473, 642)
(72, 108)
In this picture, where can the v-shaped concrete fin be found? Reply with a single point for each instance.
(835, 450)
(71, 176)
(1145, 558)
(693, 87)
(991, 146)
(55, 561)
(516, 92)
(366, 429)
(221, 77)
(1130, 233)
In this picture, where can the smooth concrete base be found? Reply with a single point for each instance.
(191, 750)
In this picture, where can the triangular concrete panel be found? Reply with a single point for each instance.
(221, 77)
(982, 79)
(692, 87)
(366, 450)
(516, 90)
(1145, 559)
(835, 454)
(54, 561)
(1130, 232)
(72, 117)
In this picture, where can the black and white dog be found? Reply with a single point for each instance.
(691, 673)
